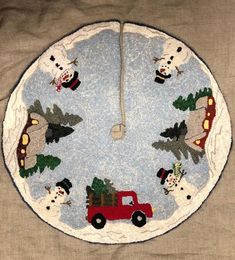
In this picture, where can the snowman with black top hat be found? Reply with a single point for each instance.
(55, 198)
(176, 185)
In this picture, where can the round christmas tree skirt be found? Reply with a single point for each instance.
(117, 133)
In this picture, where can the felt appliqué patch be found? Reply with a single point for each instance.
(116, 134)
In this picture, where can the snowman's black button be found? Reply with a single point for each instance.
(169, 62)
(181, 188)
(188, 197)
(179, 49)
(61, 68)
(52, 201)
(52, 58)
(175, 185)
(172, 57)
(57, 65)
(48, 207)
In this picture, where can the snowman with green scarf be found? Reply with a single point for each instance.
(176, 185)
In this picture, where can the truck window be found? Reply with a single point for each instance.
(128, 200)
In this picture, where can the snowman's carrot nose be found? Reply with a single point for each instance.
(162, 70)
(66, 77)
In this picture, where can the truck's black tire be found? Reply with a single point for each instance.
(138, 219)
(98, 221)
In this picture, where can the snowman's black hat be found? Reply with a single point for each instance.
(162, 174)
(160, 77)
(65, 184)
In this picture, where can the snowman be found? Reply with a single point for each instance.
(55, 62)
(176, 185)
(174, 54)
(50, 205)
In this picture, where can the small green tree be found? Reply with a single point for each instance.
(99, 186)
(43, 161)
(55, 132)
(111, 189)
(175, 131)
(190, 102)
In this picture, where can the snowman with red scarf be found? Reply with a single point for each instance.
(55, 62)
(176, 185)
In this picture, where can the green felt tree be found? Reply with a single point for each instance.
(175, 131)
(55, 132)
(178, 148)
(99, 186)
(109, 185)
(190, 102)
(54, 115)
(43, 161)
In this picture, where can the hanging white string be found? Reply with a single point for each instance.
(118, 131)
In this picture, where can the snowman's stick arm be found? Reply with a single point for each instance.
(53, 82)
(166, 191)
(178, 71)
(75, 62)
(67, 203)
(155, 59)
(48, 188)
(182, 174)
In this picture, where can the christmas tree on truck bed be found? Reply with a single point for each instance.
(101, 193)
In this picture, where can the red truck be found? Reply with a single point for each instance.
(119, 205)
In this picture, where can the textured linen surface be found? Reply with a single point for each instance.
(27, 28)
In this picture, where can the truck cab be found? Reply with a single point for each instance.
(126, 207)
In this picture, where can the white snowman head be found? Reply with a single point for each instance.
(167, 177)
(170, 180)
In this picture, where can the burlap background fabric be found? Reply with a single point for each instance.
(26, 30)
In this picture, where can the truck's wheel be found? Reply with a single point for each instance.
(98, 221)
(138, 219)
